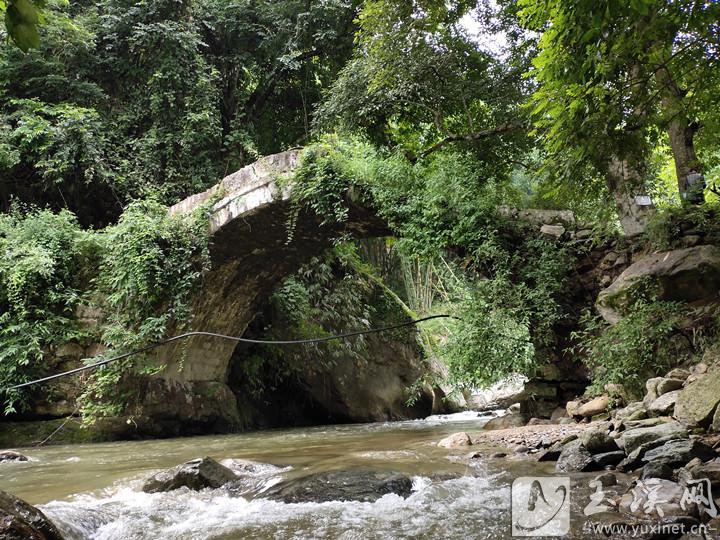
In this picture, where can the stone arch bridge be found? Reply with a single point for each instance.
(251, 252)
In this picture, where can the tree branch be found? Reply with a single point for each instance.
(470, 137)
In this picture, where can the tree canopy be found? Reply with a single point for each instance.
(443, 113)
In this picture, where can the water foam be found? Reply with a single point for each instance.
(448, 509)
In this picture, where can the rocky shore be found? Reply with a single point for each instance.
(661, 455)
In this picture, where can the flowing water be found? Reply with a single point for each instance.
(93, 491)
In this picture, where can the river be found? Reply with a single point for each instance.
(93, 491)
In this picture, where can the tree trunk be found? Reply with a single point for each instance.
(625, 182)
(686, 163)
(625, 176)
(681, 133)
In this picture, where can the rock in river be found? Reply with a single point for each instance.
(598, 441)
(679, 452)
(9, 455)
(656, 469)
(574, 457)
(656, 498)
(456, 440)
(366, 486)
(20, 521)
(195, 474)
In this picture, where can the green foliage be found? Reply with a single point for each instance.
(142, 271)
(125, 100)
(321, 185)
(22, 20)
(509, 312)
(612, 77)
(632, 350)
(152, 264)
(65, 143)
(418, 82)
(440, 202)
(666, 227)
(150, 269)
(325, 297)
(43, 270)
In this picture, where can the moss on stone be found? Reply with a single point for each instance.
(19, 434)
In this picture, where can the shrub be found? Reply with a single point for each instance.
(45, 264)
(666, 226)
(509, 311)
(637, 347)
(148, 274)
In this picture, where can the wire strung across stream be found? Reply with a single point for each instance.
(106, 361)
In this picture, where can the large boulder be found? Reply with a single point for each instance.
(605, 459)
(679, 452)
(657, 498)
(667, 384)
(366, 486)
(634, 438)
(505, 422)
(195, 474)
(697, 402)
(597, 441)
(710, 470)
(634, 410)
(688, 274)
(594, 406)
(664, 404)
(656, 469)
(574, 457)
(456, 440)
(21, 521)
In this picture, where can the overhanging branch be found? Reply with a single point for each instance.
(471, 137)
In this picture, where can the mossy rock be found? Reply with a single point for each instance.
(22, 434)
(685, 275)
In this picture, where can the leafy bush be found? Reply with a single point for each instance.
(149, 271)
(142, 271)
(65, 143)
(152, 264)
(637, 347)
(489, 342)
(506, 313)
(44, 267)
(439, 203)
(665, 228)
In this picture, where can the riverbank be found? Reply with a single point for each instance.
(654, 465)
